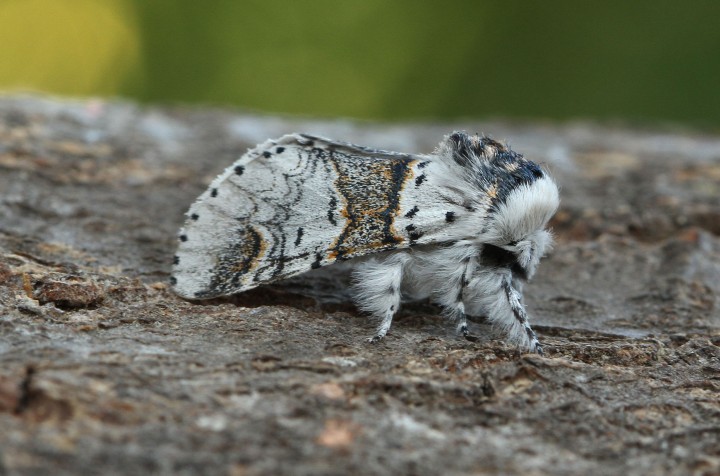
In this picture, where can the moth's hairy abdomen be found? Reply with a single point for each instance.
(462, 225)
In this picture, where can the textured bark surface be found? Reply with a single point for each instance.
(104, 371)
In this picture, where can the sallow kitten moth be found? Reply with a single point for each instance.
(464, 226)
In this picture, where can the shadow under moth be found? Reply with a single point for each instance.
(463, 226)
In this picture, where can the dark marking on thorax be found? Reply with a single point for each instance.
(509, 171)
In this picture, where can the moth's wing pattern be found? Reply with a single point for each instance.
(291, 205)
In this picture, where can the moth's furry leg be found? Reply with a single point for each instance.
(451, 292)
(493, 292)
(519, 285)
(377, 286)
(514, 299)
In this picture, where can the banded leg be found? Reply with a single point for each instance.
(461, 319)
(452, 294)
(514, 300)
(377, 290)
(491, 292)
(454, 307)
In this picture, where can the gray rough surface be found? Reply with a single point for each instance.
(104, 371)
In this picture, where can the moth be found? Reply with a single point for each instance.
(464, 226)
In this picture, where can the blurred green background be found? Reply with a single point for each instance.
(633, 60)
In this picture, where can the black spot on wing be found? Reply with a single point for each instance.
(300, 233)
(412, 212)
(214, 192)
(239, 169)
(183, 238)
(422, 165)
(176, 259)
(413, 233)
(280, 150)
(194, 216)
(173, 281)
(420, 179)
(267, 154)
(450, 217)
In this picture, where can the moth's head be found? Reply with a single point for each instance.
(528, 251)
(519, 198)
(519, 224)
